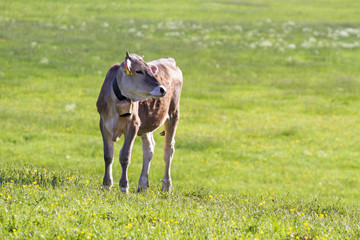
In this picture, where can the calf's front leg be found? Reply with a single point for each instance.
(125, 157)
(148, 144)
(108, 156)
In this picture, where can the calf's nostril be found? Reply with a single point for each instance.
(158, 91)
(162, 90)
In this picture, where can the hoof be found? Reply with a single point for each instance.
(124, 186)
(143, 184)
(166, 185)
(124, 190)
(141, 189)
(104, 187)
(107, 183)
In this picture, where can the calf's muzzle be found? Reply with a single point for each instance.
(158, 91)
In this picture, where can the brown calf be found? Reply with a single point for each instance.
(136, 98)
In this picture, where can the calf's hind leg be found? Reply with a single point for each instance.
(148, 144)
(169, 148)
(108, 156)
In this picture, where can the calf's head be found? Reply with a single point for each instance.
(138, 80)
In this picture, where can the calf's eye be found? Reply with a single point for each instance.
(139, 72)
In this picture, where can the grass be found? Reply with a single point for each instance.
(269, 113)
(29, 194)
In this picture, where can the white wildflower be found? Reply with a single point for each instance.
(238, 28)
(342, 33)
(63, 27)
(266, 43)
(70, 107)
(349, 45)
(307, 152)
(309, 43)
(291, 46)
(44, 60)
(173, 34)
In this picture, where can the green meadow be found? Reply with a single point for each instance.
(268, 141)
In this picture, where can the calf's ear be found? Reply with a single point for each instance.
(154, 69)
(125, 67)
(127, 56)
(128, 65)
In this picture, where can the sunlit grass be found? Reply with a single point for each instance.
(76, 207)
(268, 131)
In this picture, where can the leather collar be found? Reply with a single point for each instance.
(116, 88)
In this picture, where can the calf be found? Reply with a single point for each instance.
(136, 98)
